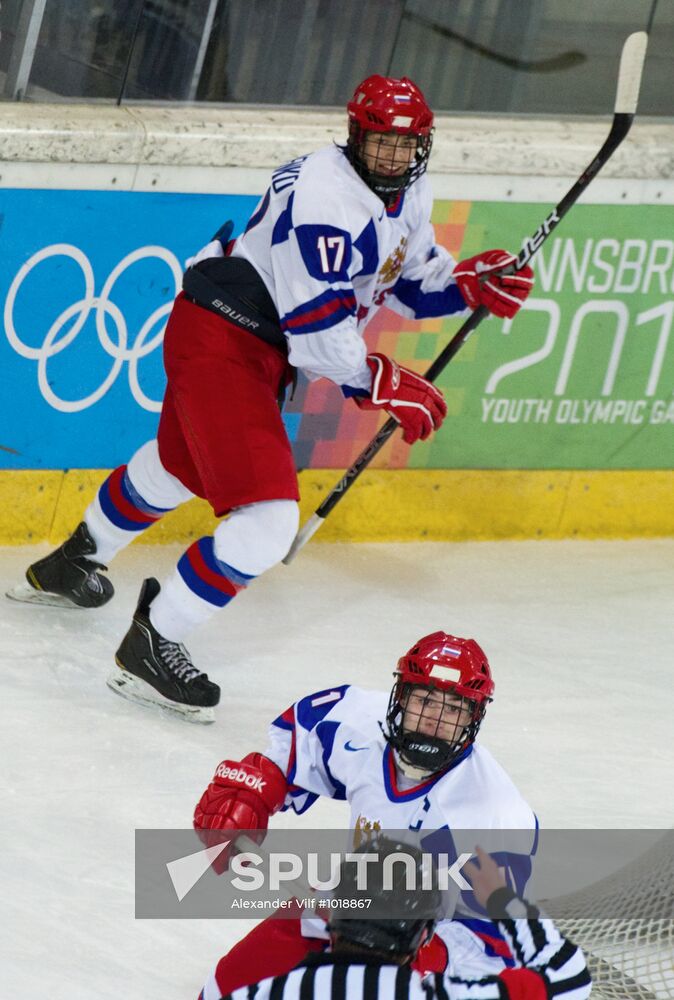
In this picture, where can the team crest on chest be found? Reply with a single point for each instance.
(393, 264)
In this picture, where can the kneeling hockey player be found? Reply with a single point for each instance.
(408, 761)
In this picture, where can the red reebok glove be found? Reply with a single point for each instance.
(242, 796)
(417, 405)
(480, 285)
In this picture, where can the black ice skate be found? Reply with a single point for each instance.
(153, 670)
(67, 577)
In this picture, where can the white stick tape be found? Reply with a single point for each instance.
(629, 74)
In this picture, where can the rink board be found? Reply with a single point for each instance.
(388, 505)
(560, 424)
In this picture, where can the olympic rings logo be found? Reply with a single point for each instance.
(120, 351)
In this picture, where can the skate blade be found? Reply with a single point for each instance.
(134, 689)
(29, 595)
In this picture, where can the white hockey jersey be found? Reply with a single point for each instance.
(331, 743)
(330, 254)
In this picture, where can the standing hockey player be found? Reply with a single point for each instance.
(374, 955)
(338, 234)
(408, 761)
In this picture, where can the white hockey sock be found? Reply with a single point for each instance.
(131, 499)
(214, 569)
(177, 610)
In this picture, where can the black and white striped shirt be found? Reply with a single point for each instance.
(339, 976)
(549, 967)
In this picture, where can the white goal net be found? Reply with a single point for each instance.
(630, 958)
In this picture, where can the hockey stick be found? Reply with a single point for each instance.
(629, 79)
(297, 888)
(564, 60)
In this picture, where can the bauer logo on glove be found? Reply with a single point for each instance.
(489, 279)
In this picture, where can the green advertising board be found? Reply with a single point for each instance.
(583, 378)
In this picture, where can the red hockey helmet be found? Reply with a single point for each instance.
(386, 104)
(397, 106)
(443, 686)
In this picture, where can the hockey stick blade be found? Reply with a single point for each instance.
(562, 61)
(629, 74)
(306, 532)
(224, 233)
(627, 94)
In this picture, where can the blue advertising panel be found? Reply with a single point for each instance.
(86, 284)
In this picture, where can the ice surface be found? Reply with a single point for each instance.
(579, 635)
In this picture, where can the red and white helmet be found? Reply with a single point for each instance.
(388, 104)
(458, 670)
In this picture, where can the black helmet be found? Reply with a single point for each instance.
(413, 909)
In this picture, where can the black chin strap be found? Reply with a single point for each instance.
(387, 194)
(427, 753)
(388, 189)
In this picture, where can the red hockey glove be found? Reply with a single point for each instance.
(242, 796)
(480, 285)
(417, 405)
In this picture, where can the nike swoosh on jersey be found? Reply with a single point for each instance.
(347, 746)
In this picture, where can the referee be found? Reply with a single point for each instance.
(371, 958)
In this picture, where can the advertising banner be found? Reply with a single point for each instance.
(582, 379)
